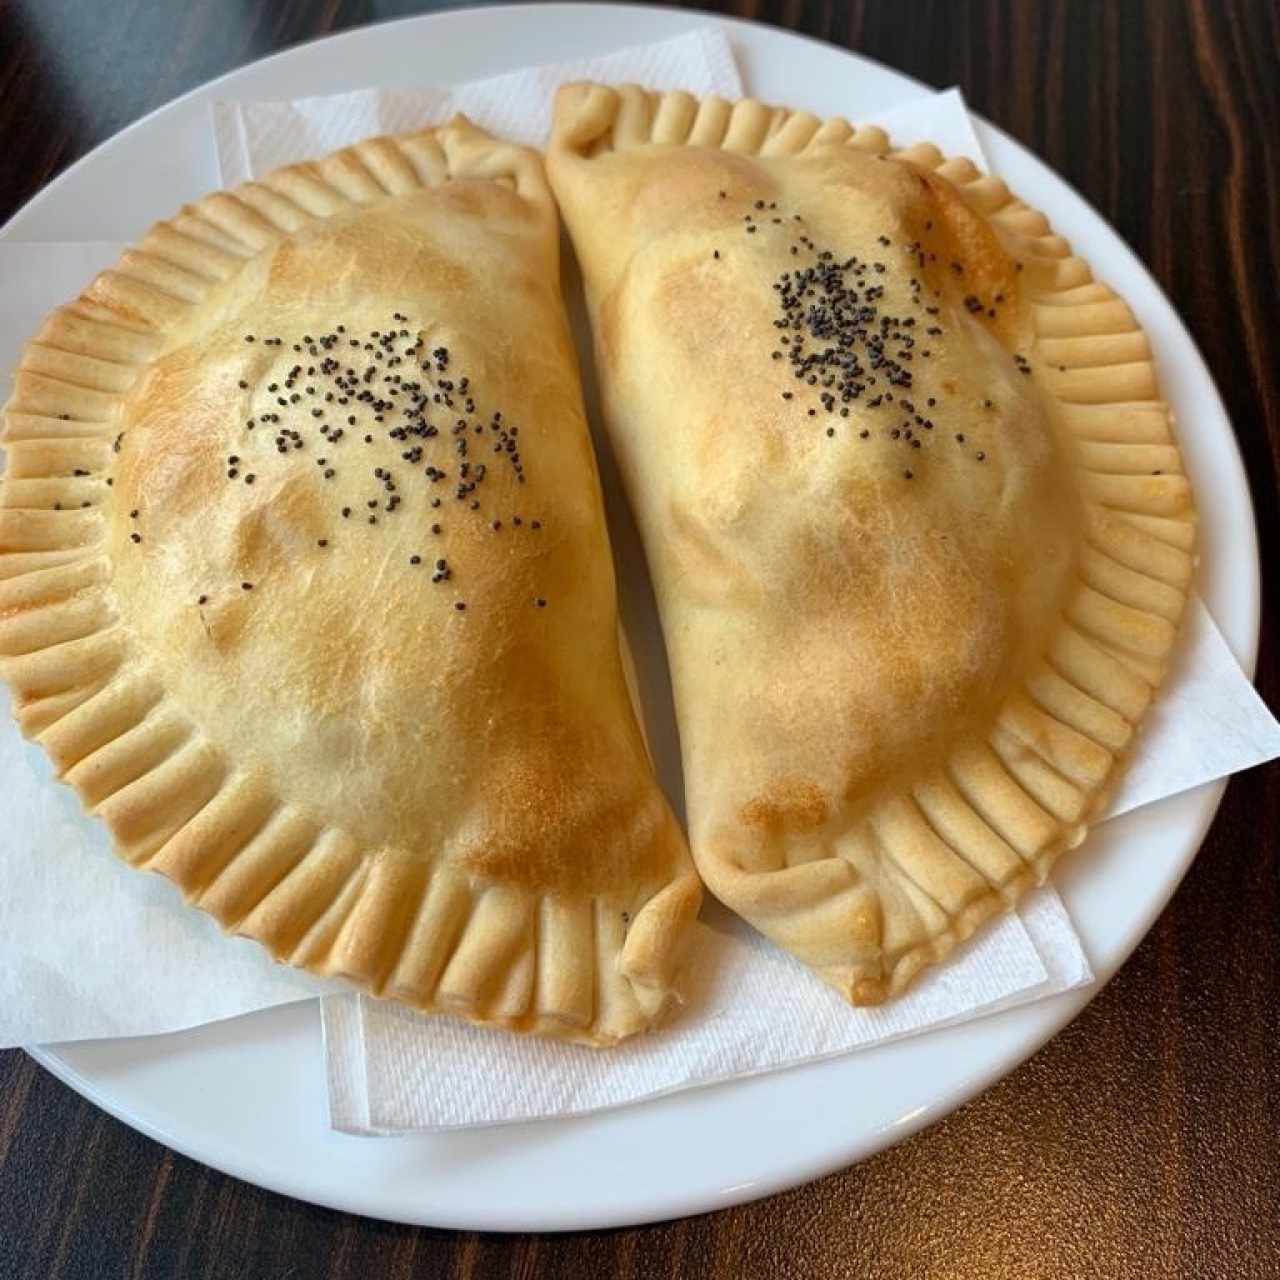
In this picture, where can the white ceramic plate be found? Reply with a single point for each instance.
(248, 1096)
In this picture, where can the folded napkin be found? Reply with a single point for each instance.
(255, 137)
(753, 1007)
(89, 948)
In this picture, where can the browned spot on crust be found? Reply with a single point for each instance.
(571, 833)
(791, 805)
(960, 236)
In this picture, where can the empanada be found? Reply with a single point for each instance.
(307, 590)
(919, 530)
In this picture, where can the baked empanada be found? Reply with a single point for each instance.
(919, 530)
(307, 590)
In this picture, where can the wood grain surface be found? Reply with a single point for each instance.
(1145, 1140)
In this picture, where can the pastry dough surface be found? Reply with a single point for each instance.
(307, 590)
(918, 528)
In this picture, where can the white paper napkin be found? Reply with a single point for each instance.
(748, 1017)
(753, 1009)
(255, 137)
(756, 1008)
(89, 947)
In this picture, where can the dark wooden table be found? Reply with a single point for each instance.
(1145, 1140)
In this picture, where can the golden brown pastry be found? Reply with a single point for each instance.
(919, 531)
(307, 590)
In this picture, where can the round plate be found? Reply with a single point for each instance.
(248, 1096)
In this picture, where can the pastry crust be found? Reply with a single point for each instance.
(919, 529)
(352, 682)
